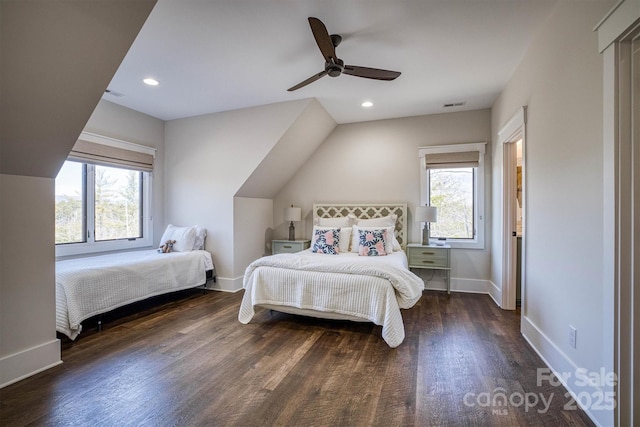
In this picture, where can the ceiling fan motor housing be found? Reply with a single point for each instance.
(334, 69)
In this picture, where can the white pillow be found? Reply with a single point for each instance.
(185, 237)
(396, 244)
(344, 238)
(339, 221)
(385, 221)
(388, 244)
(201, 234)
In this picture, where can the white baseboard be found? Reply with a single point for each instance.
(17, 366)
(495, 293)
(226, 284)
(472, 286)
(587, 396)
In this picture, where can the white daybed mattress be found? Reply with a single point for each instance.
(93, 285)
(348, 286)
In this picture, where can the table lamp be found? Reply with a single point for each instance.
(292, 214)
(426, 214)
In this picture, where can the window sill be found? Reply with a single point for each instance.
(456, 244)
(73, 249)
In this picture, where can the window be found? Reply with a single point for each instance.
(100, 206)
(452, 179)
(117, 203)
(70, 204)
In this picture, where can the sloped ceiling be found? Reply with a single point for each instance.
(302, 138)
(57, 59)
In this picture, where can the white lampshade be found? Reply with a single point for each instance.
(292, 214)
(426, 214)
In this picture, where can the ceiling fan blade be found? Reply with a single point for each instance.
(309, 80)
(323, 39)
(370, 73)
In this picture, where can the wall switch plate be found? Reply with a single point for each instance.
(572, 336)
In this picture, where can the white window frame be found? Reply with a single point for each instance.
(479, 194)
(91, 246)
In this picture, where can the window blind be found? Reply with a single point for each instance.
(105, 155)
(460, 159)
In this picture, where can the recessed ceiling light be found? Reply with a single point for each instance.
(151, 82)
(367, 104)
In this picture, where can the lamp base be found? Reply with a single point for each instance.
(292, 232)
(425, 235)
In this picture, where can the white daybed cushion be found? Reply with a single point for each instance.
(93, 285)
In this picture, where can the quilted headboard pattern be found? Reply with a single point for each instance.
(367, 211)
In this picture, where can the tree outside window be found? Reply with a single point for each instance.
(451, 191)
(113, 207)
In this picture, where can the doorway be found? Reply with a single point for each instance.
(512, 139)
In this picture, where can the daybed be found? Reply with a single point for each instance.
(89, 286)
(350, 281)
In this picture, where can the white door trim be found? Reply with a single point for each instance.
(619, 37)
(510, 133)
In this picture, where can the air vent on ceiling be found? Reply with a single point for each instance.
(112, 93)
(454, 104)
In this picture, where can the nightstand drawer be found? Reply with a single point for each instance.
(428, 257)
(287, 246)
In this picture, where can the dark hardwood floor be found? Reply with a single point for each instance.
(190, 362)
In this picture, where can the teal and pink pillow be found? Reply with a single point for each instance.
(371, 242)
(326, 241)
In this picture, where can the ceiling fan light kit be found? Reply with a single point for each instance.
(333, 65)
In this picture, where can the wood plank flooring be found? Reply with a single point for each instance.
(191, 363)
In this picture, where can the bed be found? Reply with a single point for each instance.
(343, 285)
(93, 285)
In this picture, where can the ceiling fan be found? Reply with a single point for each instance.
(333, 65)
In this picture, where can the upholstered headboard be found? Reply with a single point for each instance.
(367, 211)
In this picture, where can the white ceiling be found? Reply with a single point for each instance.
(216, 55)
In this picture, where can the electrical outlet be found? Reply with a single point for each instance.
(572, 336)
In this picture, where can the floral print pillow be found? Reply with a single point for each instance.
(372, 242)
(326, 241)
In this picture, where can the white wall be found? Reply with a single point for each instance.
(560, 80)
(253, 222)
(207, 160)
(378, 162)
(115, 121)
(28, 341)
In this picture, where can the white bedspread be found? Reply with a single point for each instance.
(93, 285)
(371, 288)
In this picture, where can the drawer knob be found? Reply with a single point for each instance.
(425, 261)
(428, 253)
(287, 247)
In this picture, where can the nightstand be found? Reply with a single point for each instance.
(432, 257)
(289, 246)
